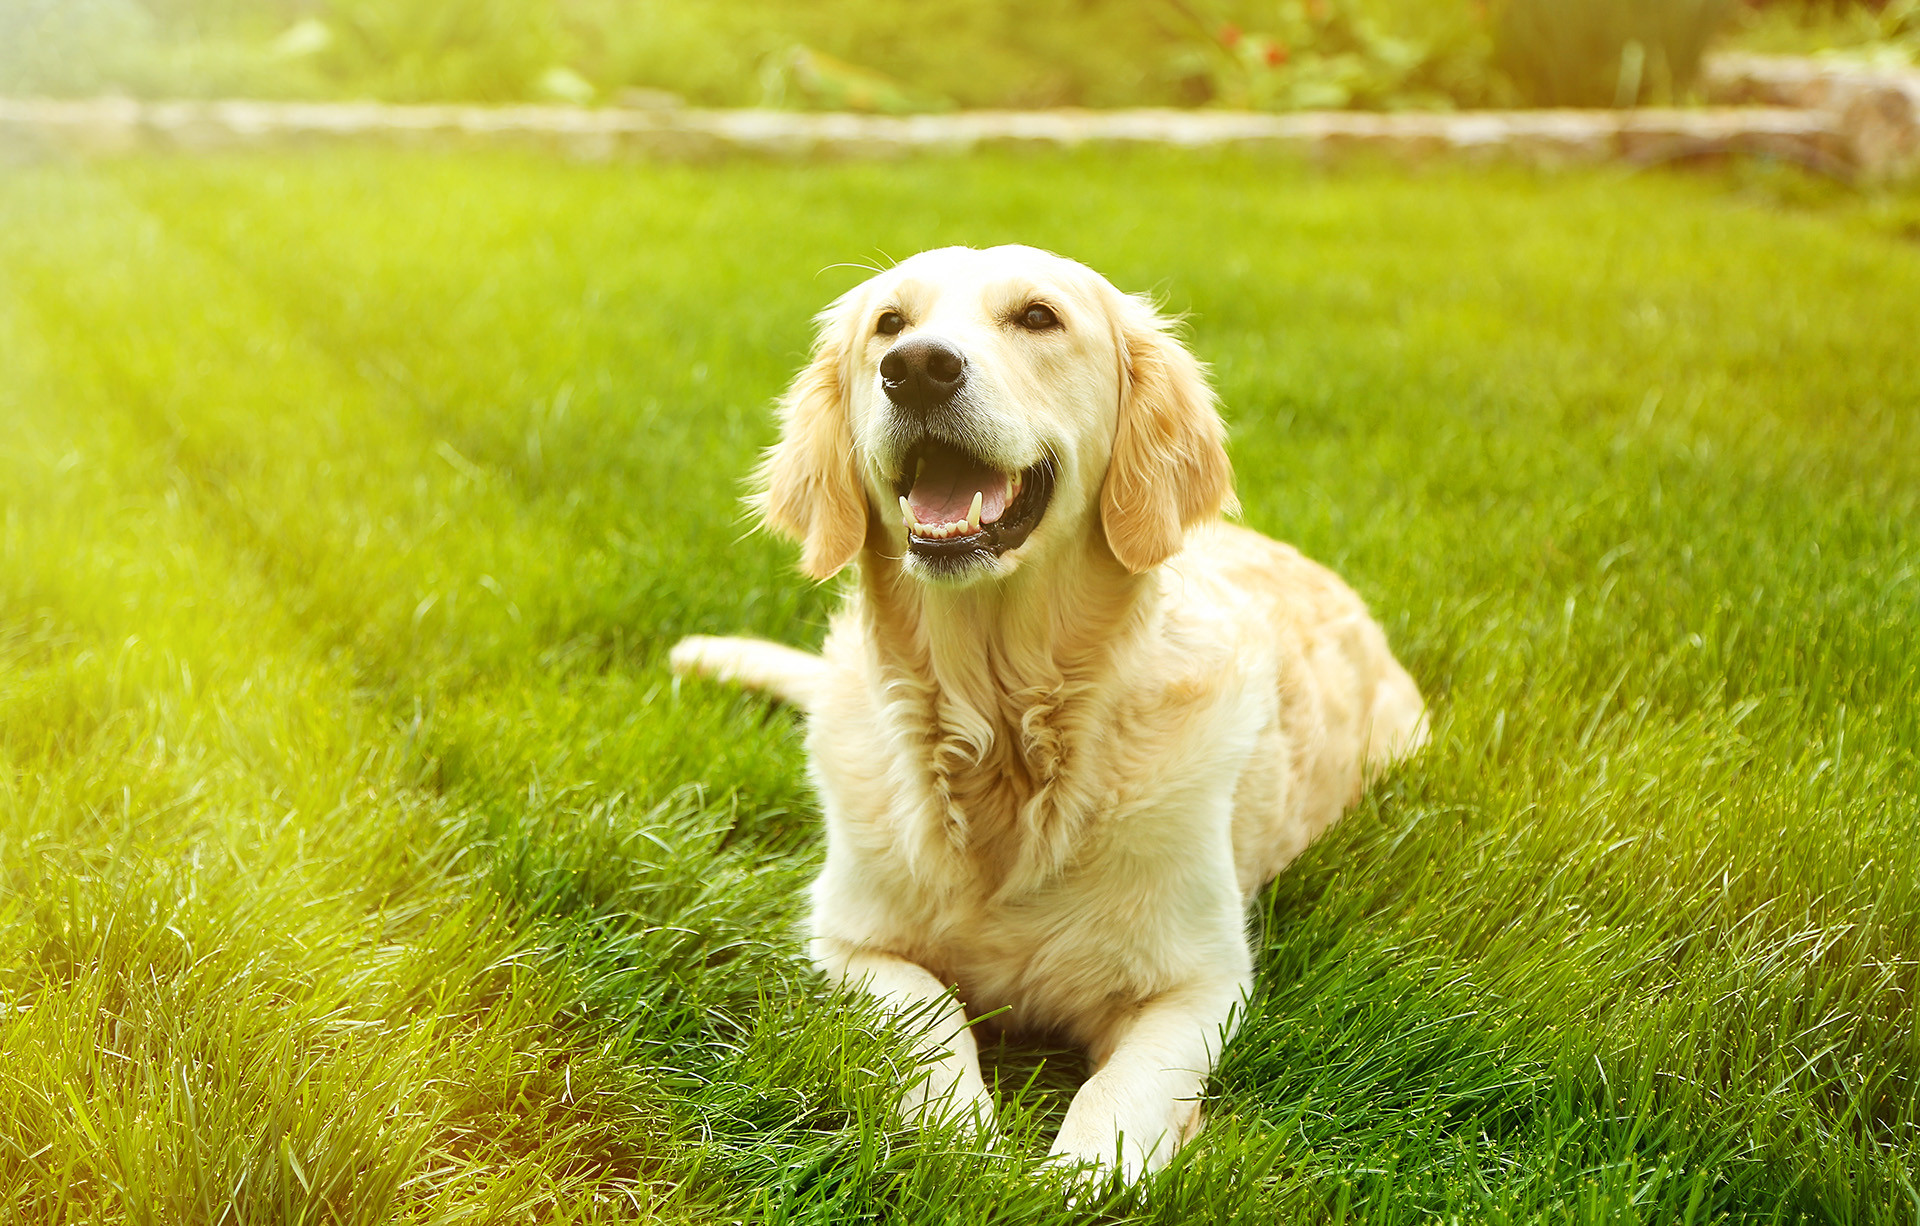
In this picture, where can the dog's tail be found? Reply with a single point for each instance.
(788, 674)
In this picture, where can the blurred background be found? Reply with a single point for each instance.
(925, 55)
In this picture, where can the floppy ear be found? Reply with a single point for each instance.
(810, 484)
(1169, 469)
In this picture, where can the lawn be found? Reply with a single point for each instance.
(360, 861)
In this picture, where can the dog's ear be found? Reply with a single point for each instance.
(810, 485)
(1169, 469)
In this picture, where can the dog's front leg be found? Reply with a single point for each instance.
(1143, 1102)
(952, 1090)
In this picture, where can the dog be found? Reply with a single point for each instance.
(1068, 720)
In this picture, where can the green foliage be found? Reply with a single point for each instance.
(808, 79)
(886, 55)
(1309, 54)
(900, 56)
(1895, 35)
(67, 47)
(1887, 35)
(421, 50)
(926, 53)
(361, 862)
(1605, 52)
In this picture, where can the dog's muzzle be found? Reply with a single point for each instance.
(957, 508)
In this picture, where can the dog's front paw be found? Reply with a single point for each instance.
(1100, 1144)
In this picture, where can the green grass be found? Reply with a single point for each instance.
(360, 861)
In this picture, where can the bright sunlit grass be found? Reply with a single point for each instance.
(359, 861)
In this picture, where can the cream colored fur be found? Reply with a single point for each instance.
(1054, 785)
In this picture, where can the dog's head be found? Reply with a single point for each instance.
(969, 411)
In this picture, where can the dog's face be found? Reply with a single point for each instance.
(969, 412)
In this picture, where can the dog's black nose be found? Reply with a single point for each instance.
(922, 372)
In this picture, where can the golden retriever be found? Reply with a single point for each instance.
(1067, 722)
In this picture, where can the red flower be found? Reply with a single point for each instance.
(1229, 35)
(1276, 54)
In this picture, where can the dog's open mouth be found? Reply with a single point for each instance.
(955, 504)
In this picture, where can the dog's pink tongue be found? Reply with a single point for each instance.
(944, 490)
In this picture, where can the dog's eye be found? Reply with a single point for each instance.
(890, 323)
(1038, 318)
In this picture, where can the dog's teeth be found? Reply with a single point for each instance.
(945, 528)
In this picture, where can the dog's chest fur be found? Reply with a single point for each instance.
(1008, 835)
